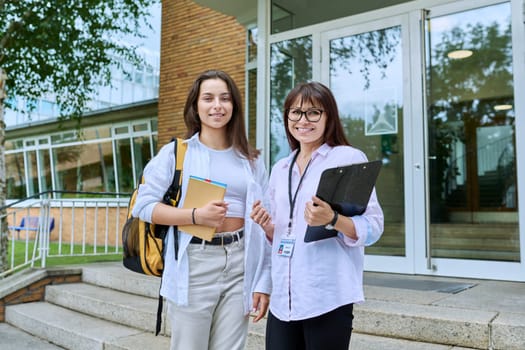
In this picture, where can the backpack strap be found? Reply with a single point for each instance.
(173, 193)
(172, 197)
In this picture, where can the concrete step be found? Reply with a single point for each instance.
(74, 330)
(116, 276)
(114, 308)
(15, 339)
(424, 323)
(399, 320)
(123, 308)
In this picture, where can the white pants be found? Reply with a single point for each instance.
(214, 318)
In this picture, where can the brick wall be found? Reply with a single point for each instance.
(36, 291)
(193, 39)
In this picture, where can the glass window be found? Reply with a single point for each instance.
(291, 63)
(85, 167)
(141, 153)
(80, 165)
(126, 182)
(70, 136)
(121, 130)
(32, 173)
(252, 44)
(97, 133)
(472, 135)
(366, 79)
(15, 175)
(140, 127)
(13, 144)
(127, 92)
(44, 166)
(139, 76)
(154, 124)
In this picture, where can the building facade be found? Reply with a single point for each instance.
(117, 133)
(426, 86)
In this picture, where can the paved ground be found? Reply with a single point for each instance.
(445, 303)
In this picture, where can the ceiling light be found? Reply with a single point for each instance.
(502, 107)
(459, 54)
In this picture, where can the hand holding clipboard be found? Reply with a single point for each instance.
(347, 189)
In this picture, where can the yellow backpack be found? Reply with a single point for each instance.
(143, 242)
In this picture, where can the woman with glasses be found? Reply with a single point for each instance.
(315, 284)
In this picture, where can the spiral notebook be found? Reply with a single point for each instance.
(200, 191)
(347, 189)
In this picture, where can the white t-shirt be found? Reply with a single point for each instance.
(226, 166)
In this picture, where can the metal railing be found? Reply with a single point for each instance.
(57, 224)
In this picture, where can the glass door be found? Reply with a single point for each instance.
(364, 67)
(472, 204)
(431, 94)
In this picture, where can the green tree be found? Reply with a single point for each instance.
(64, 49)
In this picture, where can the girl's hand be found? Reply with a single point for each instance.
(262, 217)
(260, 305)
(212, 214)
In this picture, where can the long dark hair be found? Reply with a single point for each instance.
(320, 96)
(235, 129)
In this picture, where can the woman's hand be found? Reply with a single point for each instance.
(318, 212)
(260, 305)
(262, 217)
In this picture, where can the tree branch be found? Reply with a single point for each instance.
(13, 27)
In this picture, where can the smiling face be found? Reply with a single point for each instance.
(214, 104)
(308, 134)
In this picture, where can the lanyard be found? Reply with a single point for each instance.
(290, 199)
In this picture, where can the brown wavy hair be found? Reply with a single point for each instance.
(235, 129)
(320, 96)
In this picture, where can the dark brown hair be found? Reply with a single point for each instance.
(235, 129)
(319, 96)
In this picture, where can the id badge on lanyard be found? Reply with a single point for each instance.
(287, 243)
(286, 246)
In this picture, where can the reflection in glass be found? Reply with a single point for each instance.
(15, 175)
(472, 160)
(86, 167)
(251, 44)
(124, 165)
(83, 163)
(45, 170)
(366, 79)
(142, 154)
(291, 63)
(32, 173)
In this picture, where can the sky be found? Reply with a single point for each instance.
(152, 39)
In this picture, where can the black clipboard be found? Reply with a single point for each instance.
(347, 189)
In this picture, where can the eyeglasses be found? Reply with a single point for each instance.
(313, 115)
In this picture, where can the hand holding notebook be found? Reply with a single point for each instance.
(347, 189)
(199, 193)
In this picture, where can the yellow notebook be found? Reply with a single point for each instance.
(200, 192)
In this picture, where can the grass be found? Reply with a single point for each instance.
(66, 257)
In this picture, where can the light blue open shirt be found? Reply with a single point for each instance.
(158, 175)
